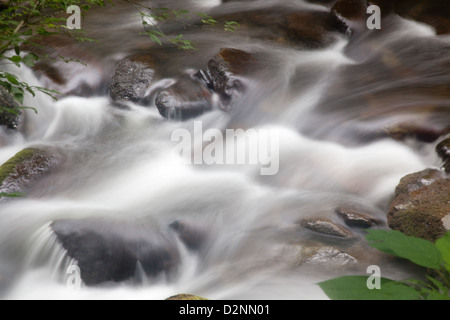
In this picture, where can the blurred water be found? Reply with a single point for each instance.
(121, 165)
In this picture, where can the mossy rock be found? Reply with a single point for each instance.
(18, 173)
(421, 207)
(186, 297)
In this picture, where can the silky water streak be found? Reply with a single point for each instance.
(236, 147)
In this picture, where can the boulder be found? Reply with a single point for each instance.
(310, 29)
(12, 119)
(114, 251)
(24, 169)
(187, 98)
(352, 12)
(132, 78)
(223, 72)
(191, 235)
(431, 12)
(421, 206)
(443, 150)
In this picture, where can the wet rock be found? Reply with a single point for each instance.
(191, 235)
(314, 29)
(431, 12)
(329, 256)
(223, 72)
(327, 227)
(443, 150)
(350, 9)
(186, 297)
(51, 72)
(27, 167)
(306, 29)
(352, 12)
(111, 251)
(10, 120)
(356, 219)
(421, 205)
(187, 98)
(420, 131)
(132, 78)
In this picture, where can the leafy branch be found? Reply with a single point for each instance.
(153, 20)
(435, 257)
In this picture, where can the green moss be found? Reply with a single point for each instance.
(9, 167)
(186, 297)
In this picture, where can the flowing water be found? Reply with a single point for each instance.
(119, 162)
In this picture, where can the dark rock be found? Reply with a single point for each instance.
(443, 150)
(420, 131)
(421, 206)
(132, 78)
(10, 120)
(187, 98)
(327, 227)
(328, 256)
(352, 12)
(26, 167)
(431, 12)
(314, 29)
(223, 72)
(50, 71)
(350, 9)
(192, 236)
(109, 251)
(186, 297)
(356, 219)
(308, 29)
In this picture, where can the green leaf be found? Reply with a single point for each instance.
(19, 97)
(14, 111)
(12, 194)
(30, 60)
(12, 79)
(15, 59)
(355, 288)
(419, 251)
(443, 245)
(438, 285)
(155, 38)
(437, 296)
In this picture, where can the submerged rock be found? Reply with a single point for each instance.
(311, 29)
(421, 206)
(356, 219)
(187, 98)
(26, 167)
(114, 251)
(443, 150)
(13, 119)
(223, 72)
(191, 235)
(186, 297)
(327, 227)
(132, 78)
(329, 256)
(431, 12)
(352, 12)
